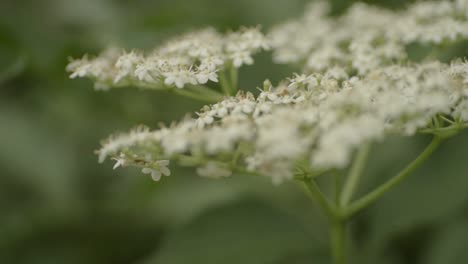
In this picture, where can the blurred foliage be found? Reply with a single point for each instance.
(57, 205)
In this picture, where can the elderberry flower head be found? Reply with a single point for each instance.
(366, 37)
(357, 86)
(315, 121)
(190, 59)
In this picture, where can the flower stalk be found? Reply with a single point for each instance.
(354, 174)
(199, 93)
(319, 197)
(338, 241)
(340, 213)
(373, 196)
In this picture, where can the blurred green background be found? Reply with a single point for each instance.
(58, 205)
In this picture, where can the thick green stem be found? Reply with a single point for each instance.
(354, 175)
(338, 241)
(233, 72)
(228, 79)
(384, 188)
(337, 226)
(333, 213)
(224, 82)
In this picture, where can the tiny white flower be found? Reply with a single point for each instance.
(145, 70)
(240, 58)
(179, 78)
(161, 169)
(121, 162)
(205, 76)
(126, 65)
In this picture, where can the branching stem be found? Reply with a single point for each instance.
(318, 196)
(340, 212)
(373, 196)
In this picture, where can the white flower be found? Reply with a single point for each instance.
(159, 170)
(302, 80)
(79, 68)
(180, 78)
(205, 118)
(204, 76)
(146, 70)
(115, 143)
(121, 161)
(126, 65)
(240, 58)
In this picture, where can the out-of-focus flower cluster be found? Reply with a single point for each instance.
(191, 59)
(314, 122)
(366, 37)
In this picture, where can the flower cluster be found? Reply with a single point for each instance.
(357, 87)
(366, 36)
(191, 59)
(313, 122)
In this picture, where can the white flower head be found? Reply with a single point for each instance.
(357, 86)
(192, 58)
(362, 38)
(320, 118)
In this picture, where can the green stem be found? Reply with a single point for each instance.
(197, 95)
(333, 212)
(338, 225)
(445, 132)
(205, 90)
(228, 78)
(354, 175)
(234, 79)
(337, 187)
(316, 194)
(384, 188)
(224, 82)
(338, 241)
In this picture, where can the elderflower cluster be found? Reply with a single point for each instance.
(366, 37)
(318, 120)
(191, 59)
(357, 86)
